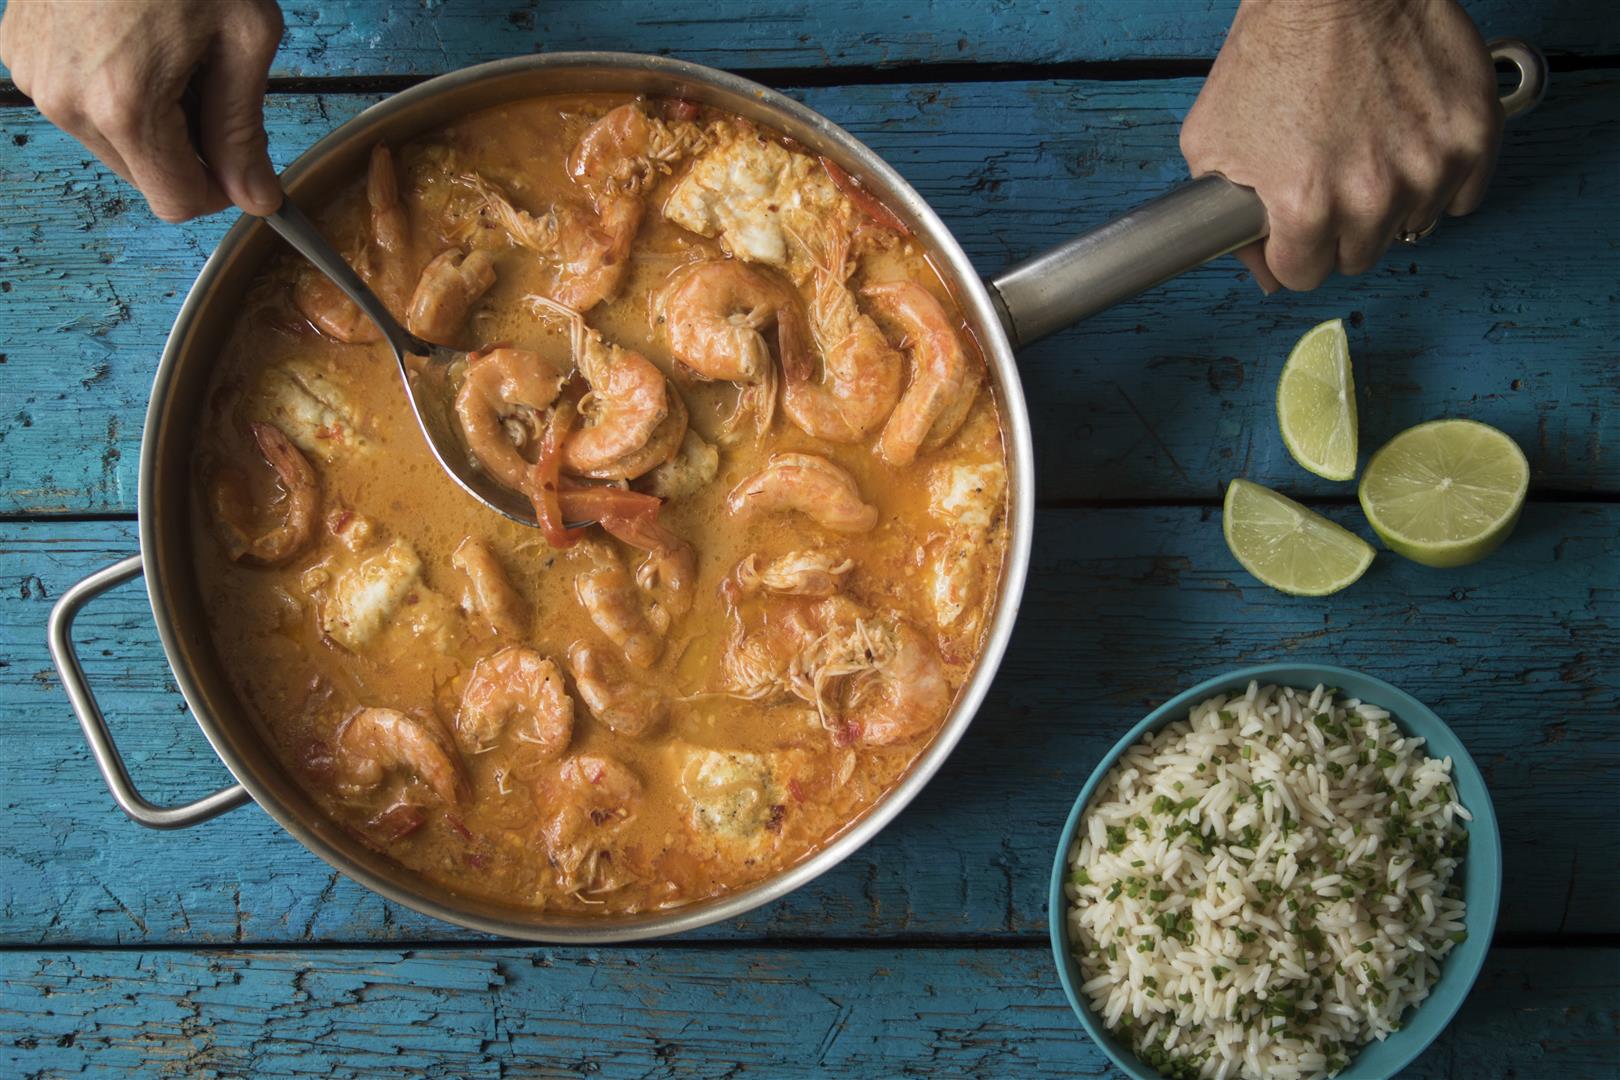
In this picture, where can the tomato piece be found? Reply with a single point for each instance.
(679, 109)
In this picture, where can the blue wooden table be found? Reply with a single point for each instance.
(230, 950)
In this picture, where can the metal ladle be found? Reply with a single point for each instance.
(429, 384)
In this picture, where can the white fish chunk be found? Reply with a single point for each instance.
(311, 408)
(756, 196)
(732, 795)
(966, 499)
(380, 591)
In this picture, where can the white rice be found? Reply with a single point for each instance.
(1264, 887)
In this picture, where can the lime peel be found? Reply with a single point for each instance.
(1445, 493)
(1316, 403)
(1288, 547)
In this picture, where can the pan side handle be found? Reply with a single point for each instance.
(108, 760)
(1184, 228)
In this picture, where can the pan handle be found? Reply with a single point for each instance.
(1184, 228)
(108, 760)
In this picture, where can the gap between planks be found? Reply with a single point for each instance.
(788, 78)
(919, 942)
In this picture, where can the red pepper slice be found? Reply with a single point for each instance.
(863, 199)
(602, 503)
(544, 479)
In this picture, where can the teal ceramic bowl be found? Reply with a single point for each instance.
(1482, 869)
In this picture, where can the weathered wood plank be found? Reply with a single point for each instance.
(356, 37)
(1165, 397)
(1125, 608)
(675, 1012)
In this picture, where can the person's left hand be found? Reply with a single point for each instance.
(1355, 121)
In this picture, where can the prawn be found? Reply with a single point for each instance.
(613, 162)
(390, 227)
(798, 573)
(489, 593)
(939, 368)
(903, 695)
(609, 596)
(670, 565)
(299, 485)
(374, 742)
(448, 288)
(627, 406)
(590, 261)
(861, 380)
(503, 395)
(624, 705)
(802, 649)
(632, 517)
(384, 262)
(812, 485)
(624, 151)
(713, 313)
(598, 796)
(881, 682)
(516, 687)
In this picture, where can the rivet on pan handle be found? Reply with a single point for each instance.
(1184, 228)
(108, 760)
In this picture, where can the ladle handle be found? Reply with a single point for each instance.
(108, 759)
(293, 227)
(1184, 228)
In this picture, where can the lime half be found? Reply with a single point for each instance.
(1316, 403)
(1287, 546)
(1445, 493)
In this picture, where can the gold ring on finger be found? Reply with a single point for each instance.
(1414, 236)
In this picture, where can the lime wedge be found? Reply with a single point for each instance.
(1287, 546)
(1316, 403)
(1445, 493)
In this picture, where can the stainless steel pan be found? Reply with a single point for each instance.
(1192, 224)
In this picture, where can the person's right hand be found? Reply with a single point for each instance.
(1355, 122)
(114, 75)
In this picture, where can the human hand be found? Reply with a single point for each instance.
(114, 75)
(1353, 120)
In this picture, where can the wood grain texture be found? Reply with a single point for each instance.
(1124, 609)
(326, 38)
(673, 1012)
(1165, 397)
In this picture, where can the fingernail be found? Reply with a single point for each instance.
(263, 190)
